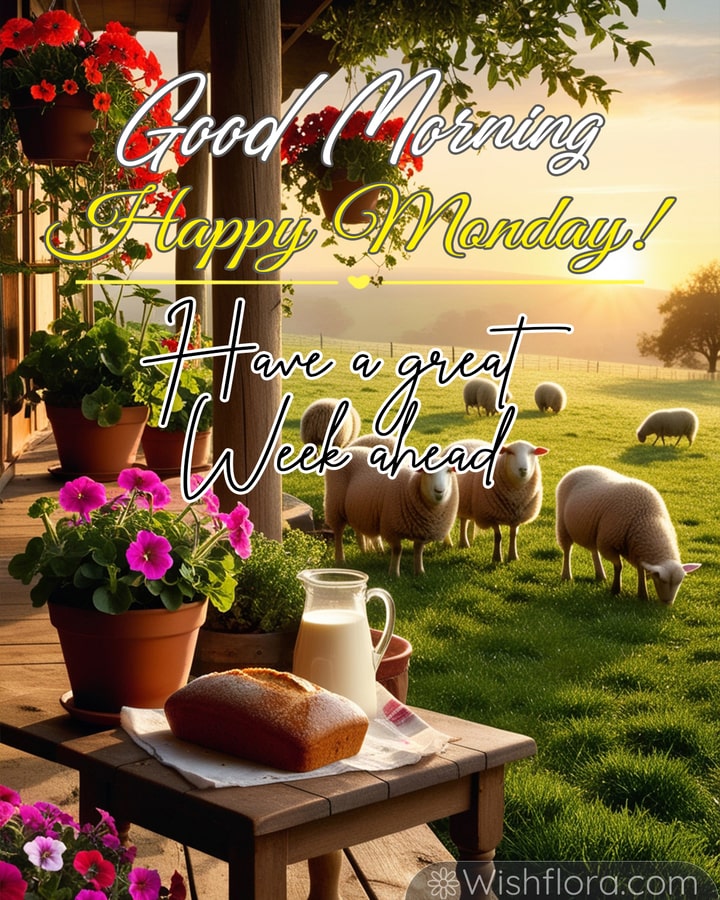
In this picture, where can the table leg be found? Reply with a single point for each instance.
(258, 869)
(325, 876)
(477, 831)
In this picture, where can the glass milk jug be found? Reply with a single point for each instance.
(334, 647)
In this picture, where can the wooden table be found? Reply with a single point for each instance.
(258, 831)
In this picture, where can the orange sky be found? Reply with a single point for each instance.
(661, 139)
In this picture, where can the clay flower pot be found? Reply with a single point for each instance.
(86, 448)
(59, 133)
(137, 658)
(163, 450)
(331, 198)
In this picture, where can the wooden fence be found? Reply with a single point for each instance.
(533, 361)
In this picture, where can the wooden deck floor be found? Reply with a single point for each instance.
(30, 653)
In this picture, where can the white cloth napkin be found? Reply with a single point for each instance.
(396, 737)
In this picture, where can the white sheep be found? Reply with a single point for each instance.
(372, 440)
(550, 396)
(615, 517)
(664, 423)
(482, 394)
(317, 417)
(514, 499)
(414, 505)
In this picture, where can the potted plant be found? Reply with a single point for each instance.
(260, 625)
(357, 160)
(89, 376)
(164, 446)
(130, 566)
(44, 852)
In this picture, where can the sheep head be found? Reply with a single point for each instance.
(521, 460)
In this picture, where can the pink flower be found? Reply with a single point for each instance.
(240, 528)
(145, 482)
(7, 811)
(82, 495)
(144, 884)
(95, 869)
(149, 554)
(9, 795)
(12, 884)
(90, 894)
(212, 501)
(45, 853)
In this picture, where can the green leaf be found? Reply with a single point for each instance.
(106, 601)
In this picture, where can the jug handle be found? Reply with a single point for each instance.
(382, 644)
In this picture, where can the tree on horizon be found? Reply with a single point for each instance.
(691, 326)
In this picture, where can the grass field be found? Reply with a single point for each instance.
(622, 696)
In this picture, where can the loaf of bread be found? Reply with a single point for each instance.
(274, 718)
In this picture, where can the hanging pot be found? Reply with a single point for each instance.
(331, 198)
(86, 448)
(137, 658)
(57, 133)
(163, 450)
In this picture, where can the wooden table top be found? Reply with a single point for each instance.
(144, 789)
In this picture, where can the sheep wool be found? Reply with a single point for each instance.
(414, 505)
(664, 423)
(618, 517)
(315, 420)
(482, 394)
(550, 397)
(514, 499)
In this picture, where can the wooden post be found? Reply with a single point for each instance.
(195, 172)
(246, 75)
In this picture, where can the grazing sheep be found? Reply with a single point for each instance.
(372, 440)
(550, 396)
(514, 499)
(482, 394)
(414, 505)
(664, 423)
(317, 417)
(615, 516)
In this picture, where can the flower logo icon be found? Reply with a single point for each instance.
(443, 884)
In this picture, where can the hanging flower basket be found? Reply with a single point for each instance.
(342, 186)
(59, 134)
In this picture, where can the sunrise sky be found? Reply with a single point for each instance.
(661, 139)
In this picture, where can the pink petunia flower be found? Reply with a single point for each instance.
(45, 853)
(136, 479)
(90, 894)
(144, 884)
(95, 869)
(12, 885)
(212, 501)
(149, 554)
(9, 795)
(82, 495)
(240, 528)
(7, 811)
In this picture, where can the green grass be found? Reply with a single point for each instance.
(622, 696)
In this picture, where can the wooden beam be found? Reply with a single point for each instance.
(246, 75)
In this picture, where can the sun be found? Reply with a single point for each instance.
(625, 264)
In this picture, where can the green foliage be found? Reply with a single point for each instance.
(268, 594)
(586, 673)
(691, 326)
(509, 42)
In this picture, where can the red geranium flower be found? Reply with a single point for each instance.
(102, 101)
(16, 34)
(70, 86)
(92, 70)
(43, 91)
(56, 27)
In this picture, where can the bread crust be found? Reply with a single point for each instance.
(270, 717)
